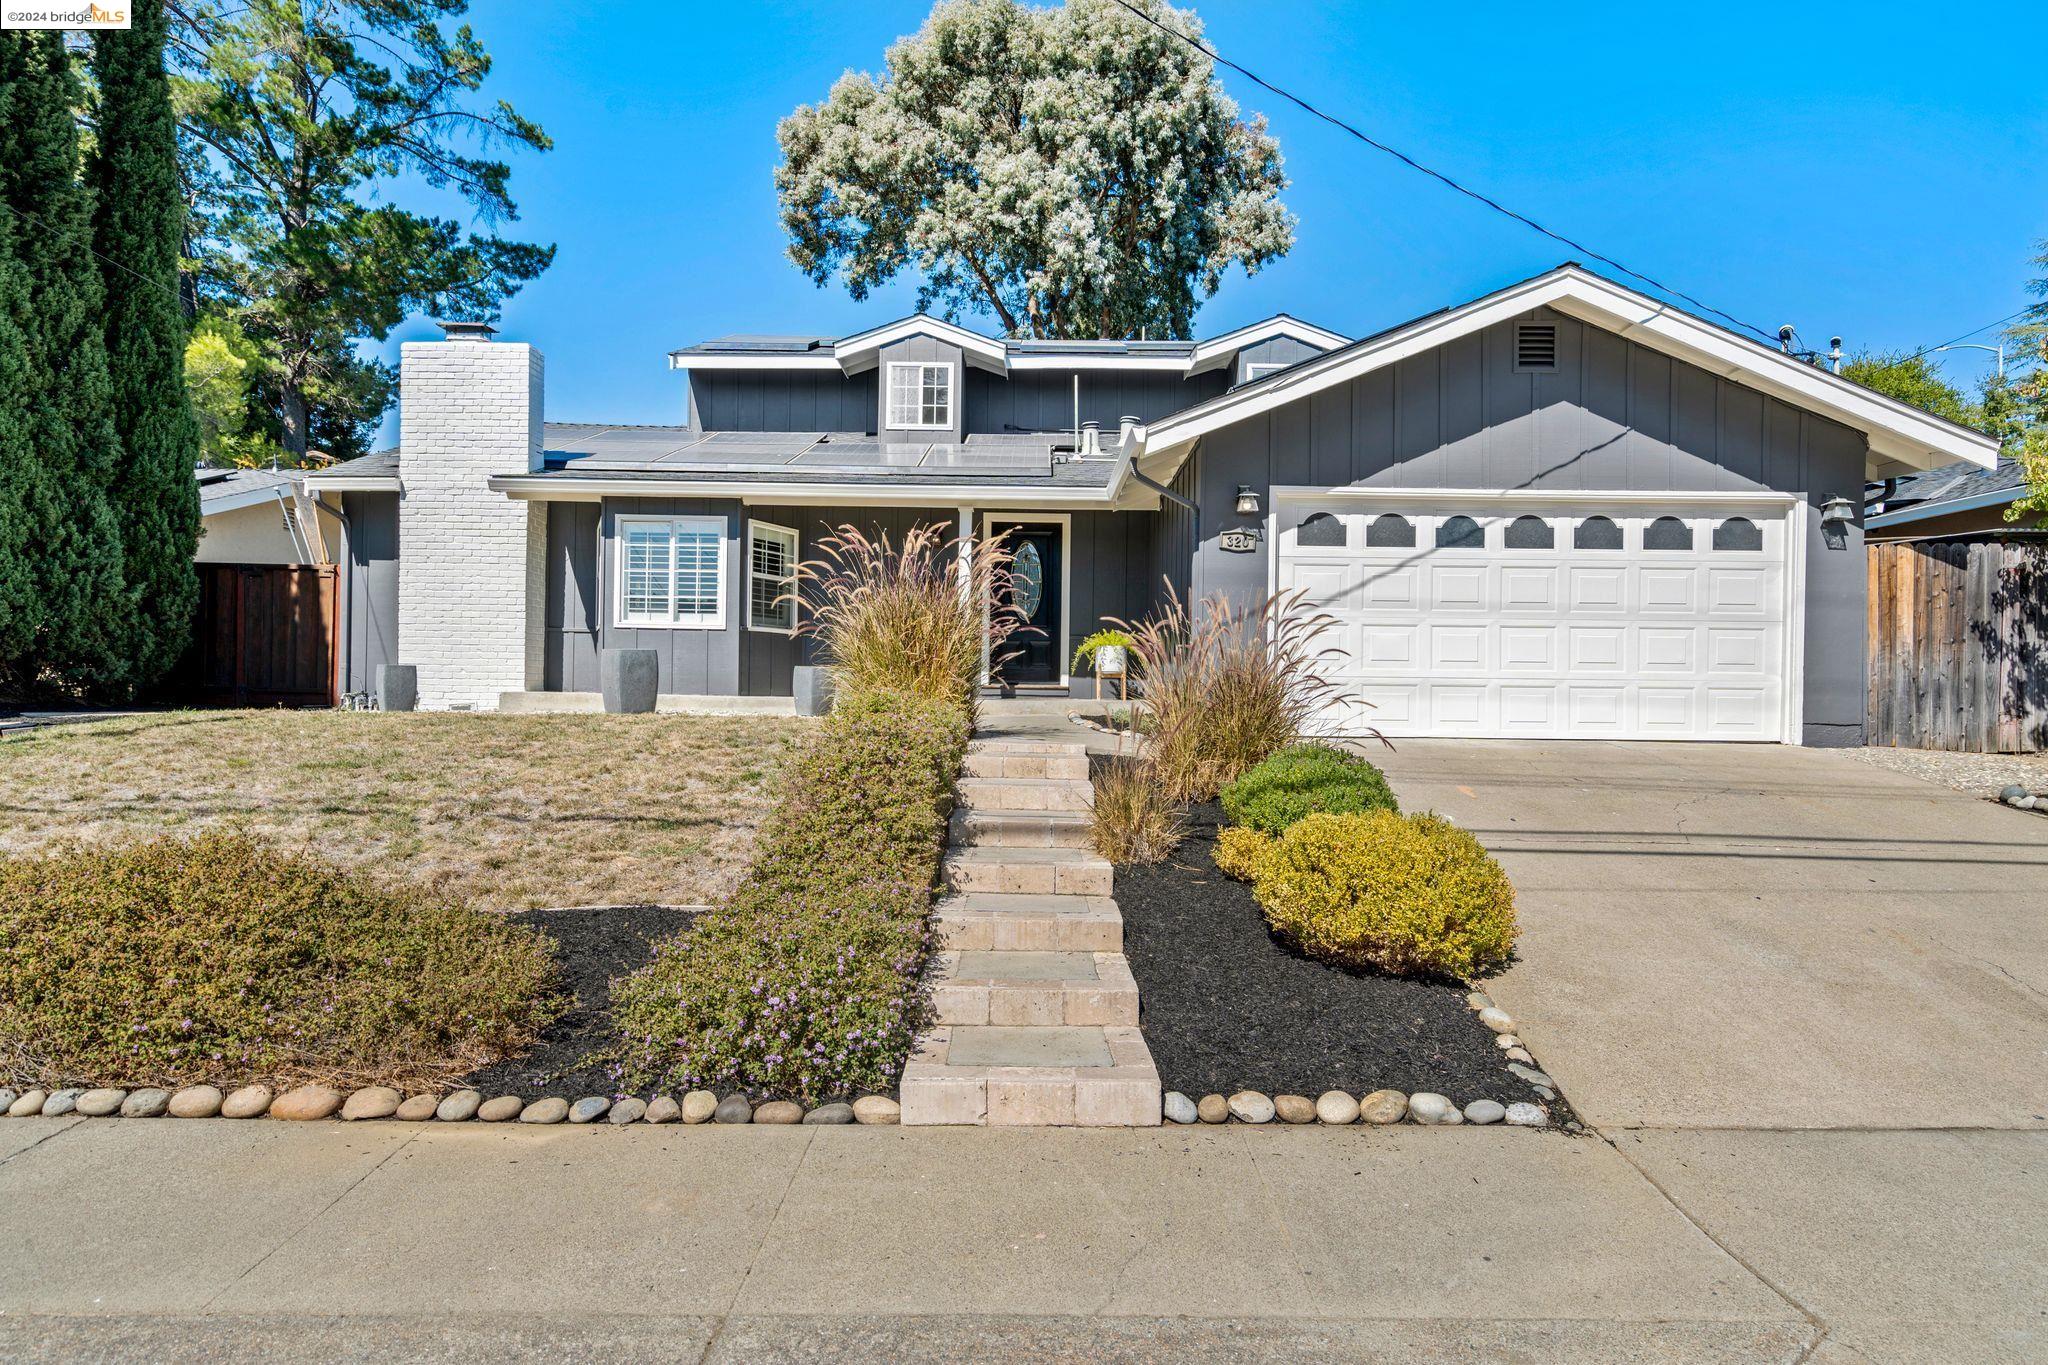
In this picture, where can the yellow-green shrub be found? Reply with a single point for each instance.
(1409, 894)
(223, 959)
(1238, 851)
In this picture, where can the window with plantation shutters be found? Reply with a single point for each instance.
(672, 572)
(771, 577)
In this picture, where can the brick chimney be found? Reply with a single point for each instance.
(471, 562)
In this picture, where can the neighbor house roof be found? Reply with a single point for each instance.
(1901, 437)
(224, 490)
(375, 473)
(862, 350)
(1952, 488)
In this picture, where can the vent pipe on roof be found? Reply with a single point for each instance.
(1123, 430)
(1091, 440)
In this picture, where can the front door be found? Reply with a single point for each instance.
(1035, 654)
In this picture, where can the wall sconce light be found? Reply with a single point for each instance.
(1837, 512)
(1247, 500)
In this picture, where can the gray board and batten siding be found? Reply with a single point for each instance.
(370, 601)
(1615, 415)
(1111, 555)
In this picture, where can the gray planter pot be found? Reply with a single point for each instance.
(398, 687)
(629, 679)
(813, 688)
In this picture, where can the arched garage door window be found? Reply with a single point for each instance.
(1459, 533)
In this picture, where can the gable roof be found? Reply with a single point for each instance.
(1901, 437)
(862, 350)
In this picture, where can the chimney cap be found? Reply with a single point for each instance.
(453, 330)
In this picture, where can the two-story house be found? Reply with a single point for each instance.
(1563, 509)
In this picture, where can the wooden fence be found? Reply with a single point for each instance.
(267, 634)
(1959, 646)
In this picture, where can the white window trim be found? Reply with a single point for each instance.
(754, 530)
(1259, 369)
(952, 394)
(700, 621)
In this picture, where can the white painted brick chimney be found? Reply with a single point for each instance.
(470, 560)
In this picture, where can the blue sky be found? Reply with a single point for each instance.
(1864, 170)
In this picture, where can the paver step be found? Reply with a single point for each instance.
(1026, 793)
(1028, 871)
(1026, 746)
(1033, 989)
(995, 763)
(1014, 923)
(976, 828)
(992, 1075)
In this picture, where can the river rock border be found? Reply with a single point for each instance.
(308, 1103)
(1381, 1108)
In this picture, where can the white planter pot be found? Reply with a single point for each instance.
(1110, 661)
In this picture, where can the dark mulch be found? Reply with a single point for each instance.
(594, 947)
(1227, 1007)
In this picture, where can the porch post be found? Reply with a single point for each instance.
(966, 551)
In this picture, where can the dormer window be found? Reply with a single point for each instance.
(920, 396)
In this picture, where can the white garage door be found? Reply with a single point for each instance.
(1628, 621)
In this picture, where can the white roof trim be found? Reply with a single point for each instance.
(862, 349)
(1218, 351)
(1899, 434)
(1054, 360)
(1920, 511)
(353, 483)
(754, 360)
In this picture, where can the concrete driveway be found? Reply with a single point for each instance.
(1735, 936)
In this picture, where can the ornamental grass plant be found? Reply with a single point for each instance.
(1228, 683)
(1131, 820)
(222, 959)
(804, 984)
(902, 616)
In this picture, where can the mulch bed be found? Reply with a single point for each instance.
(594, 947)
(1225, 1006)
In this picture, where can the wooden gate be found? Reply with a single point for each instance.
(1959, 646)
(267, 634)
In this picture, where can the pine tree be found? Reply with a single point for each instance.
(138, 229)
(76, 644)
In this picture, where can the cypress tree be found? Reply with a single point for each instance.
(74, 538)
(21, 614)
(139, 229)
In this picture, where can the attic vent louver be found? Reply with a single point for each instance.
(1536, 347)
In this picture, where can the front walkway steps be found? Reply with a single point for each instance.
(1036, 1011)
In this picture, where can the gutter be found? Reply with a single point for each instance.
(546, 488)
(347, 567)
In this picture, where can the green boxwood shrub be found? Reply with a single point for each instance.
(177, 961)
(805, 983)
(1409, 894)
(1302, 779)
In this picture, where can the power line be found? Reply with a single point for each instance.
(2009, 317)
(37, 218)
(1407, 160)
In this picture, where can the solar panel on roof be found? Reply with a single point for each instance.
(1006, 458)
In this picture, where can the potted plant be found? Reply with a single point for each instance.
(1109, 651)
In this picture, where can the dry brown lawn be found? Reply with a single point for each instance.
(513, 812)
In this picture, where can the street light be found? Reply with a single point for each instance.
(1998, 350)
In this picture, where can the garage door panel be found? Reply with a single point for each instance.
(1528, 710)
(1667, 650)
(1460, 588)
(1529, 649)
(1651, 638)
(1525, 589)
(1457, 649)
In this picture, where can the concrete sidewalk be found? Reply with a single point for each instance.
(131, 1239)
